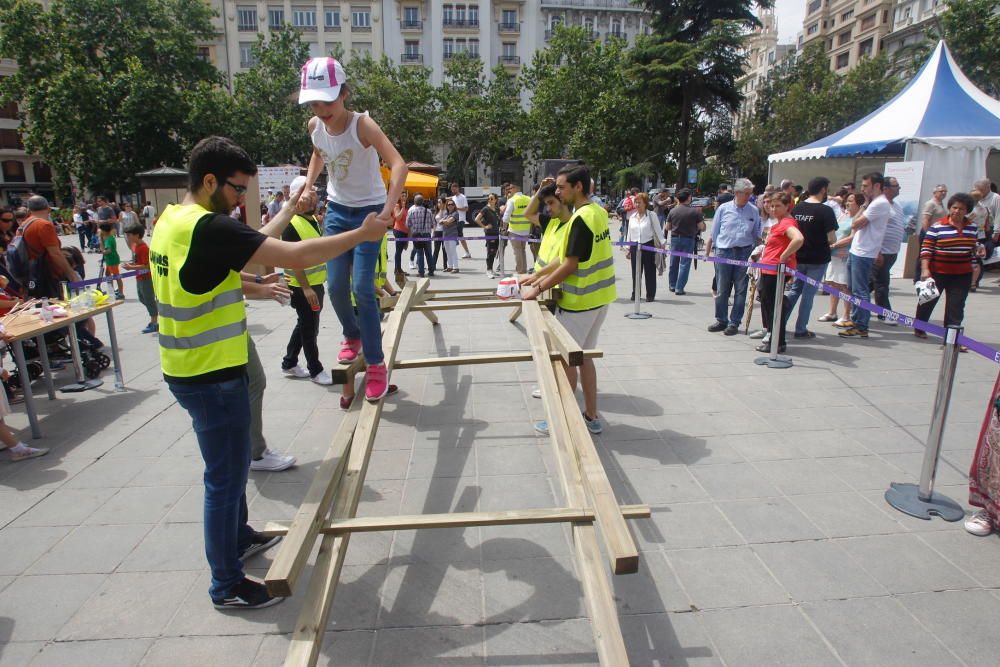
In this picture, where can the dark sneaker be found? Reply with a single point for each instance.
(804, 334)
(248, 594)
(731, 330)
(260, 543)
(717, 326)
(853, 332)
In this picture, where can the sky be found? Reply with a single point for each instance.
(790, 14)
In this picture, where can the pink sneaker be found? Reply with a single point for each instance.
(376, 382)
(349, 349)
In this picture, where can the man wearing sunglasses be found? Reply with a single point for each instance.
(196, 257)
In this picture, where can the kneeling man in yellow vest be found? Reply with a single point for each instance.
(196, 256)
(584, 269)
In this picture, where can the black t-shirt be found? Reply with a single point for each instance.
(581, 240)
(815, 222)
(491, 221)
(684, 220)
(219, 244)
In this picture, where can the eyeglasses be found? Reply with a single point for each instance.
(240, 189)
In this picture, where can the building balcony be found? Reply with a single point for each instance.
(331, 28)
(508, 28)
(361, 28)
(460, 24)
(509, 60)
(449, 55)
(247, 27)
(305, 28)
(412, 59)
(621, 5)
(411, 26)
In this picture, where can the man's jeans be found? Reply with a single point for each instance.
(881, 280)
(731, 278)
(807, 292)
(860, 271)
(680, 267)
(220, 414)
(354, 271)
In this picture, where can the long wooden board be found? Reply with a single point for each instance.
(570, 350)
(476, 359)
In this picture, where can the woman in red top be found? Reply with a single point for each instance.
(946, 255)
(400, 231)
(783, 240)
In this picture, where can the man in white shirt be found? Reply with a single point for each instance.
(869, 232)
(895, 230)
(148, 215)
(990, 200)
(462, 206)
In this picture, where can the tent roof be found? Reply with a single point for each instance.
(163, 171)
(939, 106)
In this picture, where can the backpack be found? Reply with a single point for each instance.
(31, 275)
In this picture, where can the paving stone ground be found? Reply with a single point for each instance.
(770, 542)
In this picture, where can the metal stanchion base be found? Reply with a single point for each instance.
(906, 498)
(638, 316)
(780, 361)
(81, 386)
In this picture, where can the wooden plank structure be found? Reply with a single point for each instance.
(328, 511)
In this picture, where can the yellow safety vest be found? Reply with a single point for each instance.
(199, 333)
(592, 285)
(549, 250)
(519, 223)
(316, 275)
(382, 262)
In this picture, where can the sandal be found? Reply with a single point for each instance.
(828, 318)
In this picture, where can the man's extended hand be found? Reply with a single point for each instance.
(374, 227)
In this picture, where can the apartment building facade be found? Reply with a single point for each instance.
(911, 22)
(762, 53)
(20, 172)
(849, 29)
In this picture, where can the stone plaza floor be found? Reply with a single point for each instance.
(769, 543)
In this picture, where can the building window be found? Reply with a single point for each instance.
(865, 48)
(460, 14)
(868, 22)
(246, 19)
(315, 50)
(9, 110)
(43, 172)
(843, 38)
(275, 17)
(847, 16)
(508, 17)
(813, 29)
(10, 138)
(13, 170)
(411, 47)
(332, 19)
(474, 48)
(304, 18)
(448, 13)
(885, 16)
(449, 48)
(616, 27)
(814, 6)
(473, 14)
(202, 53)
(842, 60)
(361, 18)
(509, 50)
(411, 17)
(555, 21)
(246, 55)
(588, 26)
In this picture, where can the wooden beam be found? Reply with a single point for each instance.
(458, 290)
(342, 373)
(457, 520)
(618, 540)
(307, 639)
(516, 313)
(462, 305)
(572, 353)
(463, 297)
(477, 359)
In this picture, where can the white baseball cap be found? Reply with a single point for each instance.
(296, 184)
(321, 80)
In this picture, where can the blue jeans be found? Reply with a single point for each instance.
(801, 288)
(859, 269)
(731, 278)
(220, 415)
(680, 267)
(355, 270)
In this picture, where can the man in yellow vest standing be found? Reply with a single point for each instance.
(586, 276)
(307, 298)
(196, 256)
(518, 226)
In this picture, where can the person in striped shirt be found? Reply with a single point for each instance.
(946, 256)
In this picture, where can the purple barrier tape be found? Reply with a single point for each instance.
(981, 349)
(98, 281)
(459, 238)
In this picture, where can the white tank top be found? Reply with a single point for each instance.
(354, 176)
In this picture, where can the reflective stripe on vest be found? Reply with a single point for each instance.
(199, 333)
(315, 275)
(519, 223)
(548, 252)
(592, 285)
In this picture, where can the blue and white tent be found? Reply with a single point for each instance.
(940, 107)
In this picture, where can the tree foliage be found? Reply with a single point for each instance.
(106, 85)
(971, 28)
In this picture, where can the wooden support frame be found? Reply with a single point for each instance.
(328, 513)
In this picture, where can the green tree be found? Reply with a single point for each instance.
(270, 124)
(693, 59)
(105, 86)
(401, 99)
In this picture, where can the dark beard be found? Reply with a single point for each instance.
(217, 202)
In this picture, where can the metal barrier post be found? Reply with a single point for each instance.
(775, 360)
(920, 500)
(636, 315)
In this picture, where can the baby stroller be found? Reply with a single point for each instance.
(57, 345)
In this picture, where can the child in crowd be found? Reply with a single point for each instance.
(349, 144)
(112, 262)
(143, 282)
